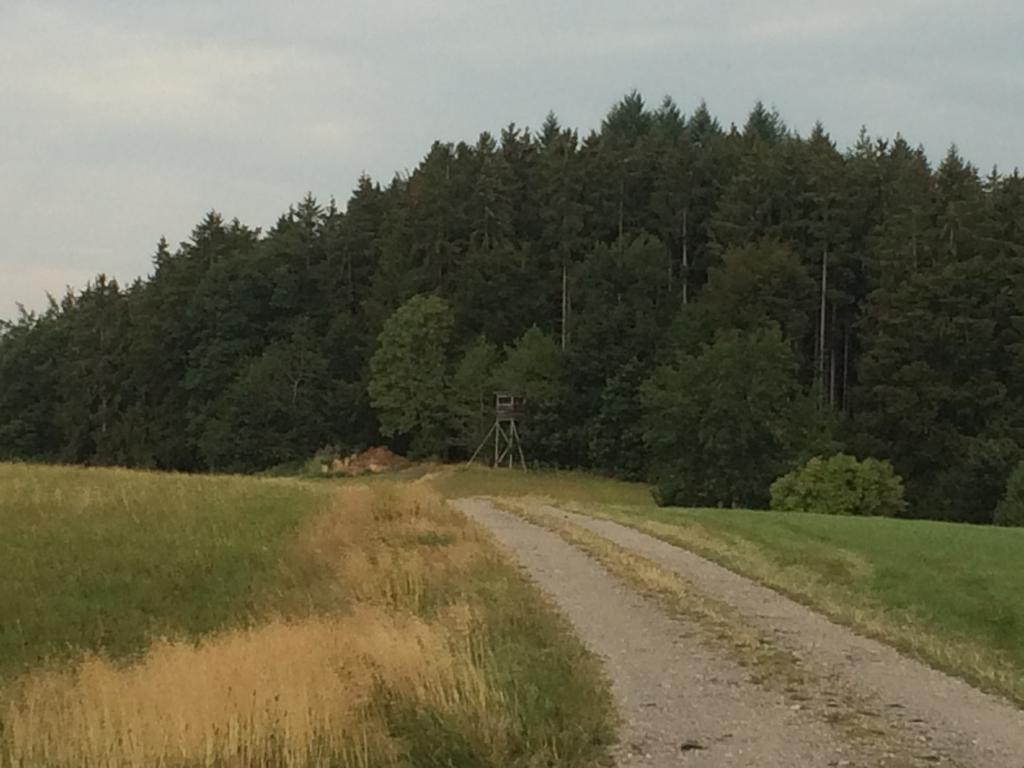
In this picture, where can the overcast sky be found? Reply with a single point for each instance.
(121, 120)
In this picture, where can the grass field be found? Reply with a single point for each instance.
(162, 620)
(168, 620)
(952, 595)
(107, 559)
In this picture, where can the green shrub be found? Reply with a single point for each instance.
(1011, 509)
(841, 485)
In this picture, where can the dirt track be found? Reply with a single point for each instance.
(685, 700)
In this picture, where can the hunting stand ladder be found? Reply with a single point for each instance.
(508, 447)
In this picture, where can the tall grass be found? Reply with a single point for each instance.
(414, 643)
(283, 694)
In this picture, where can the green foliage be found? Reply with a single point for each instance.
(936, 381)
(533, 369)
(473, 391)
(410, 380)
(1010, 511)
(620, 308)
(617, 442)
(898, 286)
(94, 396)
(760, 284)
(840, 485)
(29, 349)
(720, 426)
(275, 411)
(969, 489)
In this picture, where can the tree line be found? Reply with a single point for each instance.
(703, 305)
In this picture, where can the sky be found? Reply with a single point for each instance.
(121, 121)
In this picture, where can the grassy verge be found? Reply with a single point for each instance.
(271, 623)
(719, 625)
(951, 595)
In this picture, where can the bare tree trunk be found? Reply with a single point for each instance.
(565, 304)
(821, 320)
(913, 242)
(846, 368)
(686, 254)
(832, 362)
(351, 286)
(568, 317)
(622, 200)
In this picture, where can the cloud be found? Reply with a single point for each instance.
(125, 120)
(99, 73)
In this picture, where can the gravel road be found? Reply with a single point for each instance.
(686, 702)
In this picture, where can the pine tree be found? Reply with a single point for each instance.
(590, 261)
(760, 285)
(672, 191)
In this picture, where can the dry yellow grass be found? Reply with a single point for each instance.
(287, 693)
(393, 546)
(281, 694)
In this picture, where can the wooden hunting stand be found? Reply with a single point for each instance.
(508, 447)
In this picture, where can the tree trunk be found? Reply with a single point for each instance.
(565, 304)
(913, 239)
(622, 199)
(568, 316)
(846, 368)
(351, 286)
(821, 321)
(686, 254)
(832, 362)
(671, 263)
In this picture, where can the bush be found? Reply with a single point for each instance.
(841, 485)
(1011, 509)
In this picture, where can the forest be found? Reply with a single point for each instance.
(702, 305)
